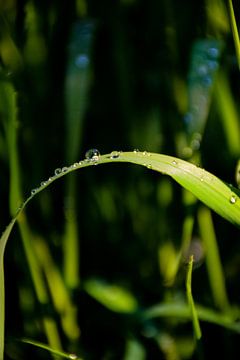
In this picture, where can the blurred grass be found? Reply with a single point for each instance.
(135, 227)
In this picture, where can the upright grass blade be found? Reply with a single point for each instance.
(222, 198)
(195, 321)
(8, 107)
(214, 265)
(77, 84)
(234, 30)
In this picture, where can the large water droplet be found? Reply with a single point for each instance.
(233, 199)
(115, 154)
(73, 356)
(57, 171)
(92, 155)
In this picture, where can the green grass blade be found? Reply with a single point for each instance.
(59, 354)
(234, 30)
(213, 261)
(194, 315)
(220, 197)
(182, 311)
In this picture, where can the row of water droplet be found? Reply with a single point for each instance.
(93, 156)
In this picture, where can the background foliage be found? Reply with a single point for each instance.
(102, 246)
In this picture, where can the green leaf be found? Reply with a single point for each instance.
(220, 197)
(111, 296)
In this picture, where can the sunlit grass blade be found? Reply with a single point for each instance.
(213, 261)
(60, 354)
(194, 315)
(234, 30)
(220, 197)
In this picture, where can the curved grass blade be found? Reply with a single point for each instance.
(182, 311)
(220, 197)
(195, 321)
(60, 354)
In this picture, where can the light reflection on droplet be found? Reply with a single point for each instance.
(233, 199)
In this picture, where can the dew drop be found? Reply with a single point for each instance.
(73, 356)
(80, 163)
(149, 166)
(174, 162)
(57, 171)
(64, 169)
(75, 165)
(145, 153)
(233, 199)
(136, 151)
(92, 155)
(50, 179)
(114, 154)
(201, 179)
(43, 183)
(33, 191)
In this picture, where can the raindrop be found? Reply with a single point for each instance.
(64, 169)
(174, 162)
(80, 163)
(146, 153)
(135, 151)
(50, 179)
(92, 155)
(33, 191)
(73, 356)
(115, 154)
(149, 166)
(57, 171)
(201, 179)
(233, 199)
(43, 183)
(75, 165)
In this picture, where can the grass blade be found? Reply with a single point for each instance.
(220, 197)
(234, 30)
(213, 261)
(195, 321)
(51, 350)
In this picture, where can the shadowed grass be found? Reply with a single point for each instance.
(205, 186)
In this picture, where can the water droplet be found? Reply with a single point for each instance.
(233, 199)
(92, 155)
(146, 153)
(201, 179)
(33, 191)
(115, 154)
(50, 179)
(149, 166)
(135, 151)
(174, 162)
(57, 171)
(43, 183)
(80, 163)
(64, 169)
(75, 165)
(73, 356)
